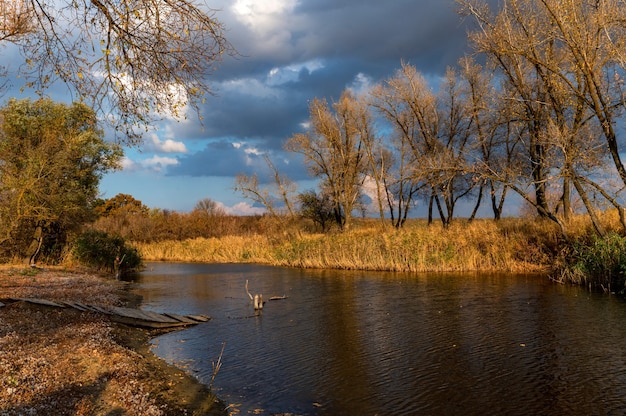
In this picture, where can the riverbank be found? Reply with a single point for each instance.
(65, 362)
(510, 245)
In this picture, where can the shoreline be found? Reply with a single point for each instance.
(67, 362)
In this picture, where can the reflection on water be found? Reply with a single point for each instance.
(364, 343)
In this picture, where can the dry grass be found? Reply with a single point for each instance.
(230, 249)
(482, 245)
(65, 362)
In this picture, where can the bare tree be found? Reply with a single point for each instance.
(564, 69)
(282, 189)
(401, 184)
(436, 129)
(130, 60)
(209, 208)
(493, 142)
(250, 188)
(333, 151)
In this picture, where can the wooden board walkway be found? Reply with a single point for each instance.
(127, 316)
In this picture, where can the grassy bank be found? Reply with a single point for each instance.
(509, 245)
(483, 245)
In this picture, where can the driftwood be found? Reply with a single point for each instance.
(257, 299)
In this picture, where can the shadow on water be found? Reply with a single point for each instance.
(347, 343)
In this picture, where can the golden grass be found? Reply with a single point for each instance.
(513, 245)
(230, 249)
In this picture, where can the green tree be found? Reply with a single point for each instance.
(317, 208)
(52, 157)
(128, 59)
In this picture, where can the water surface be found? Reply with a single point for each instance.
(366, 343)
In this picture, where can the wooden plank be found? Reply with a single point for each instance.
(40, 302)
(75, 306)
(199, 318)
(180, 318)
(146, 324)
(100, 309)
(128, 316)
(142, 315)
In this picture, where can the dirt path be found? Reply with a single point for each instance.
(66, 362)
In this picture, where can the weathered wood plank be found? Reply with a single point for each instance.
(128, 316)
(147, 324)
(180, 318)
(199, 318)
(40, 302)
(75, 306)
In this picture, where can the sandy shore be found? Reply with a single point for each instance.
(66, 362)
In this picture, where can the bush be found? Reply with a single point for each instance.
(104, 252)
(602, 260)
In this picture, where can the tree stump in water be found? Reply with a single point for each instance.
(257, 299)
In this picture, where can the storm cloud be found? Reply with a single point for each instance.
(293, 51)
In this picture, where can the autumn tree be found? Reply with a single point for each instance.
(52, 157)
(333, 150)
(270, 193)
(562, 63)
(120, 204)
(209, 208)
(435, 127)
(128, 59)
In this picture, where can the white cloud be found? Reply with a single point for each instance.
(263, 15)
(155, 164)
(248, 87)
(369, 189)
(361, 84)
(243, 208)
(158, 163)
(290, 73)
(128, 164)
(155, 144)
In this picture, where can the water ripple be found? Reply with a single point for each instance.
(368, 343)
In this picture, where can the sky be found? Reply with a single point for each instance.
(291, 51)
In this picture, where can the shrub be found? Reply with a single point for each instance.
(105, 252)
(602, 260)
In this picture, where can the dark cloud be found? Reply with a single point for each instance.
(229, 158)
(315, 48)
(291, 52)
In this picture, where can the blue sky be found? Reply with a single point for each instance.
(291, 51)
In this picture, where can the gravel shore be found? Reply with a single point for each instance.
(67, 362)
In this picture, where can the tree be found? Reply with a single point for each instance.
(268, 196)
(563, 63)
(120, 204)
(209, 208)
(52, 157)
(436, 130)
(318, 208)
(127, 59)
(333, 149)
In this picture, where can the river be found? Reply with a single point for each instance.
(368, 343)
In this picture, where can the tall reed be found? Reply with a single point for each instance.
(229, 249)
(481, 245)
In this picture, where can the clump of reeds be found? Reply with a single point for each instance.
(229, 249)
(482, 245)
(475, 246)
